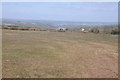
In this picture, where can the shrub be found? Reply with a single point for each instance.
(115, 31)
(95, 30)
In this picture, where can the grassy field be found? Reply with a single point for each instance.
(44, 54)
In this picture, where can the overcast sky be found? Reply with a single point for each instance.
(62, 11)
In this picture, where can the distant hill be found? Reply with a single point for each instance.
(53, 24)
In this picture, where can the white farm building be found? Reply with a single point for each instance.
(62, 29)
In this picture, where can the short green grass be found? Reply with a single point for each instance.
(43, 54)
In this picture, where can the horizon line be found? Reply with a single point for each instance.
(56, 20)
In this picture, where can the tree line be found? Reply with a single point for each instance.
(105, 29)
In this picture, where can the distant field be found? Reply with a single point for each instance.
(44, 54)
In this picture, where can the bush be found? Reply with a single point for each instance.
(95, 30)
(115, 31)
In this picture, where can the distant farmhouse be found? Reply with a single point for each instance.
(83, 30)
(62, 29)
